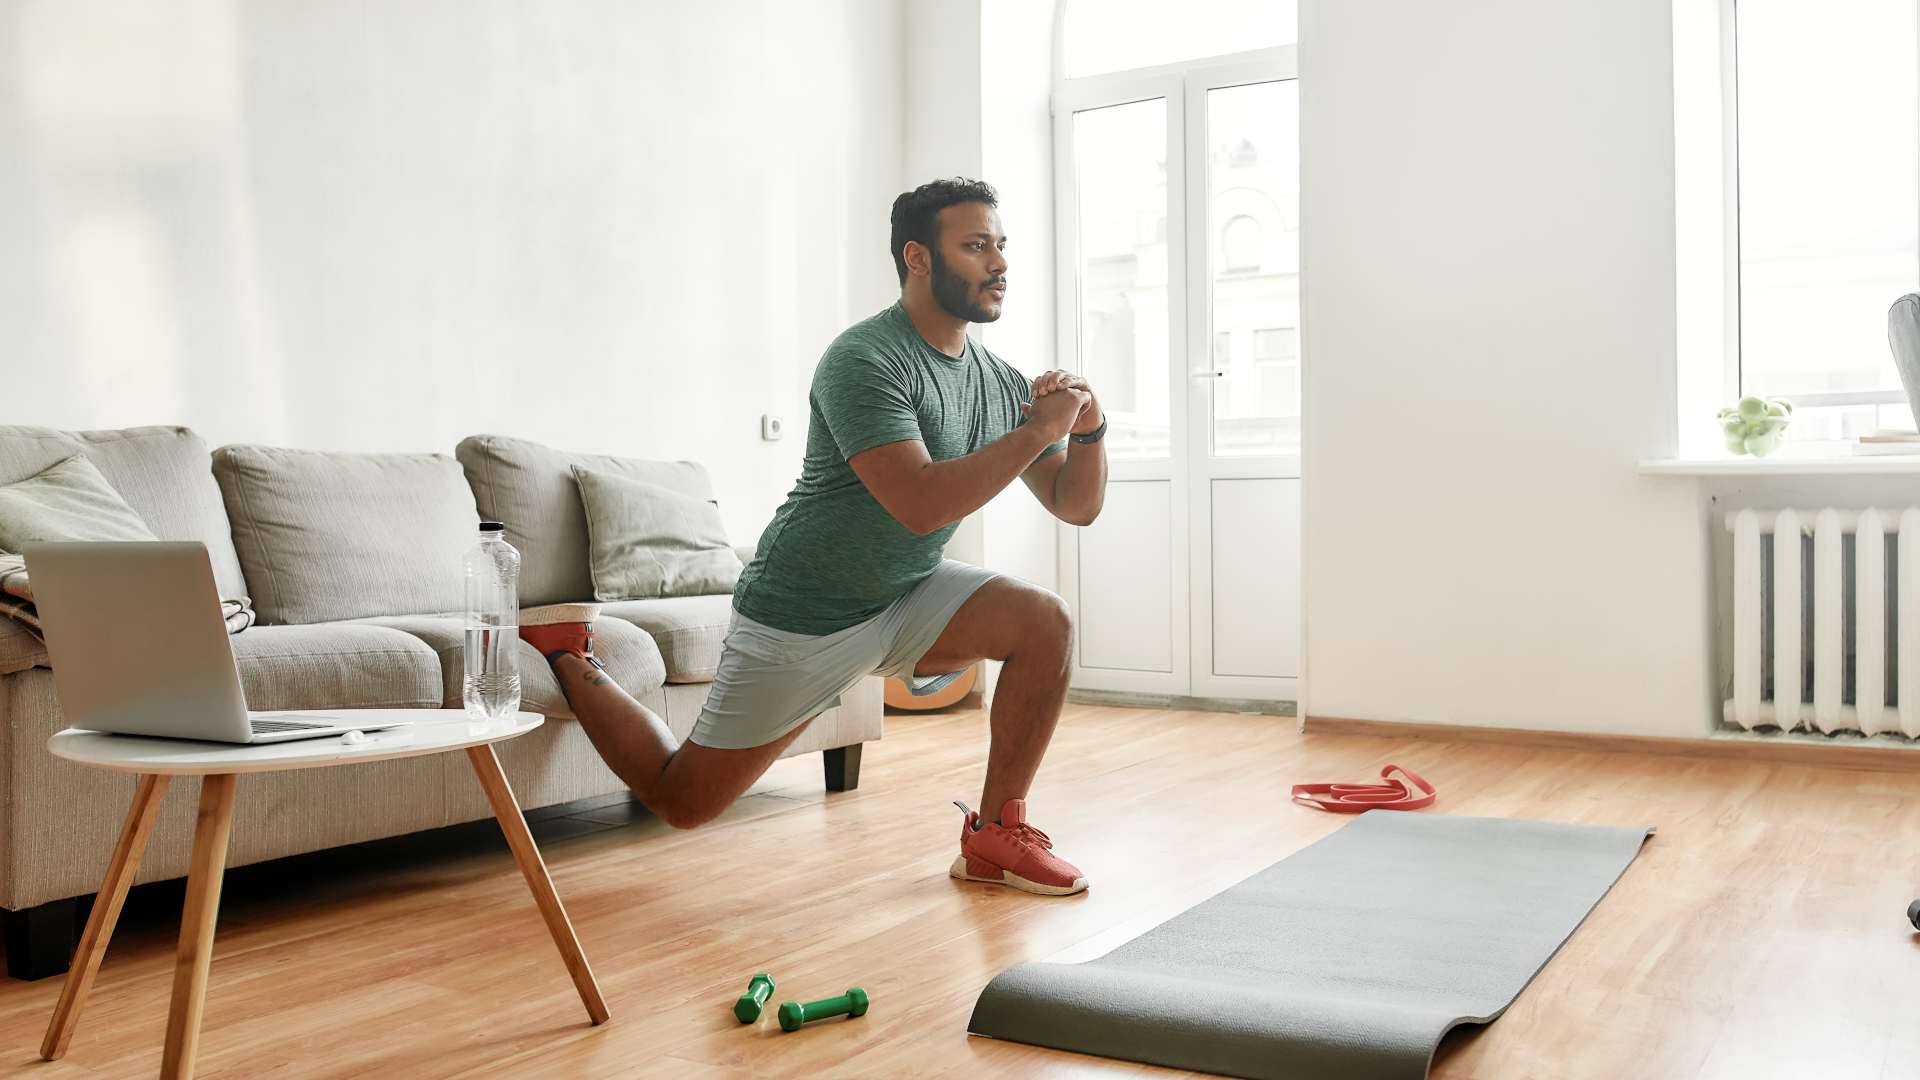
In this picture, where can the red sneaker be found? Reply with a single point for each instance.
(1012, 852)
(558, 629)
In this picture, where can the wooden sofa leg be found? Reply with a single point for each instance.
(843, 767)
(40, 939)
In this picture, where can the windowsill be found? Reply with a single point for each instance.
(1804, 459)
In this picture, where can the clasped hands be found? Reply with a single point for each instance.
(1063, 403)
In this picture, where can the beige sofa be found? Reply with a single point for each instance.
(352, 562)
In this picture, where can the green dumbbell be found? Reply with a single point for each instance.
(759, 989)
(851, 1003)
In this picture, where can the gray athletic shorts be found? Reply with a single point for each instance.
(770, 681)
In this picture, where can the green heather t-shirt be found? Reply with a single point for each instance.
(833, 556)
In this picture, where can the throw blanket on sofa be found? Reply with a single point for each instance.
(16, 600)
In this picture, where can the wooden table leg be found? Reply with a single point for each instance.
(106, 911)
(507, 810)
(204, 876)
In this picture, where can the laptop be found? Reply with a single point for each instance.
(138, 647)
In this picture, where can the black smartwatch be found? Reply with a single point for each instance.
(1093, 436)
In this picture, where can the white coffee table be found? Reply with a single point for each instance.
(434, 731)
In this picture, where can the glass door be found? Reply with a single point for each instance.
(1178, 210)
(1243, 450)
(1122, 271)
(1122, 290)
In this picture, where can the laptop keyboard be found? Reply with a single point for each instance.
(274, 727)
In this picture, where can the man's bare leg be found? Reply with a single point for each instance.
(1024, 626)
(686, 784)
(1031, 631)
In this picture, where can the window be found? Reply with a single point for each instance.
(1178, 189)
(1122, 257)
(1278, 344)
(1240, 243)
(1232, 132)
(1254, 188)
(1276, 357)
(1828, 149)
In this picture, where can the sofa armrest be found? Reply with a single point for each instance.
(745, 551)
(19, 649)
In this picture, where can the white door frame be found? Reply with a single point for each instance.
(1275, 65)
(1188, 469)
(1080, 95)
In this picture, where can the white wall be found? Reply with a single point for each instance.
(979, 85)
(942, 64)
(979, 89)
(632, 227)
(1488, 195)
(627, 227)
(942, 139)
(1016, 90)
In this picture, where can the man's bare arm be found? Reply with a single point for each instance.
(1072, 486)
(925, 495)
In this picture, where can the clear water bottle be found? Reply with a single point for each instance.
(492, 687)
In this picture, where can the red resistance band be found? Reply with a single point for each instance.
(1355, 798)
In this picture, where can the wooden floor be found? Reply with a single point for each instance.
(1760, 934)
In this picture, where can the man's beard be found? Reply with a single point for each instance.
(954, 293)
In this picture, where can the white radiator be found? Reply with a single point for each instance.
(1857, 621)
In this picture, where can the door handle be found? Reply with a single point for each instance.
(1209, 375)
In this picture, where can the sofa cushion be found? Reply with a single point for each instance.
(164, 473)
(530, 488)
(331, 536)
(336, 666)
(69, 500)
(688, 629)
(630, 656)
(645, 541)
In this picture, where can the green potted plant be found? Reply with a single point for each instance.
(1755, 425)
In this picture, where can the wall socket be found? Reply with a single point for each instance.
(771, 427)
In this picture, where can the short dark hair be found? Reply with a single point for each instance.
(916, 214)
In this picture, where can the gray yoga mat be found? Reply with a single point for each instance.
(1347, 960)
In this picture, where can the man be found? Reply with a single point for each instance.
(913, 427)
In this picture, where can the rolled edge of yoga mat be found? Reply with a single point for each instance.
(1221, 1028)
